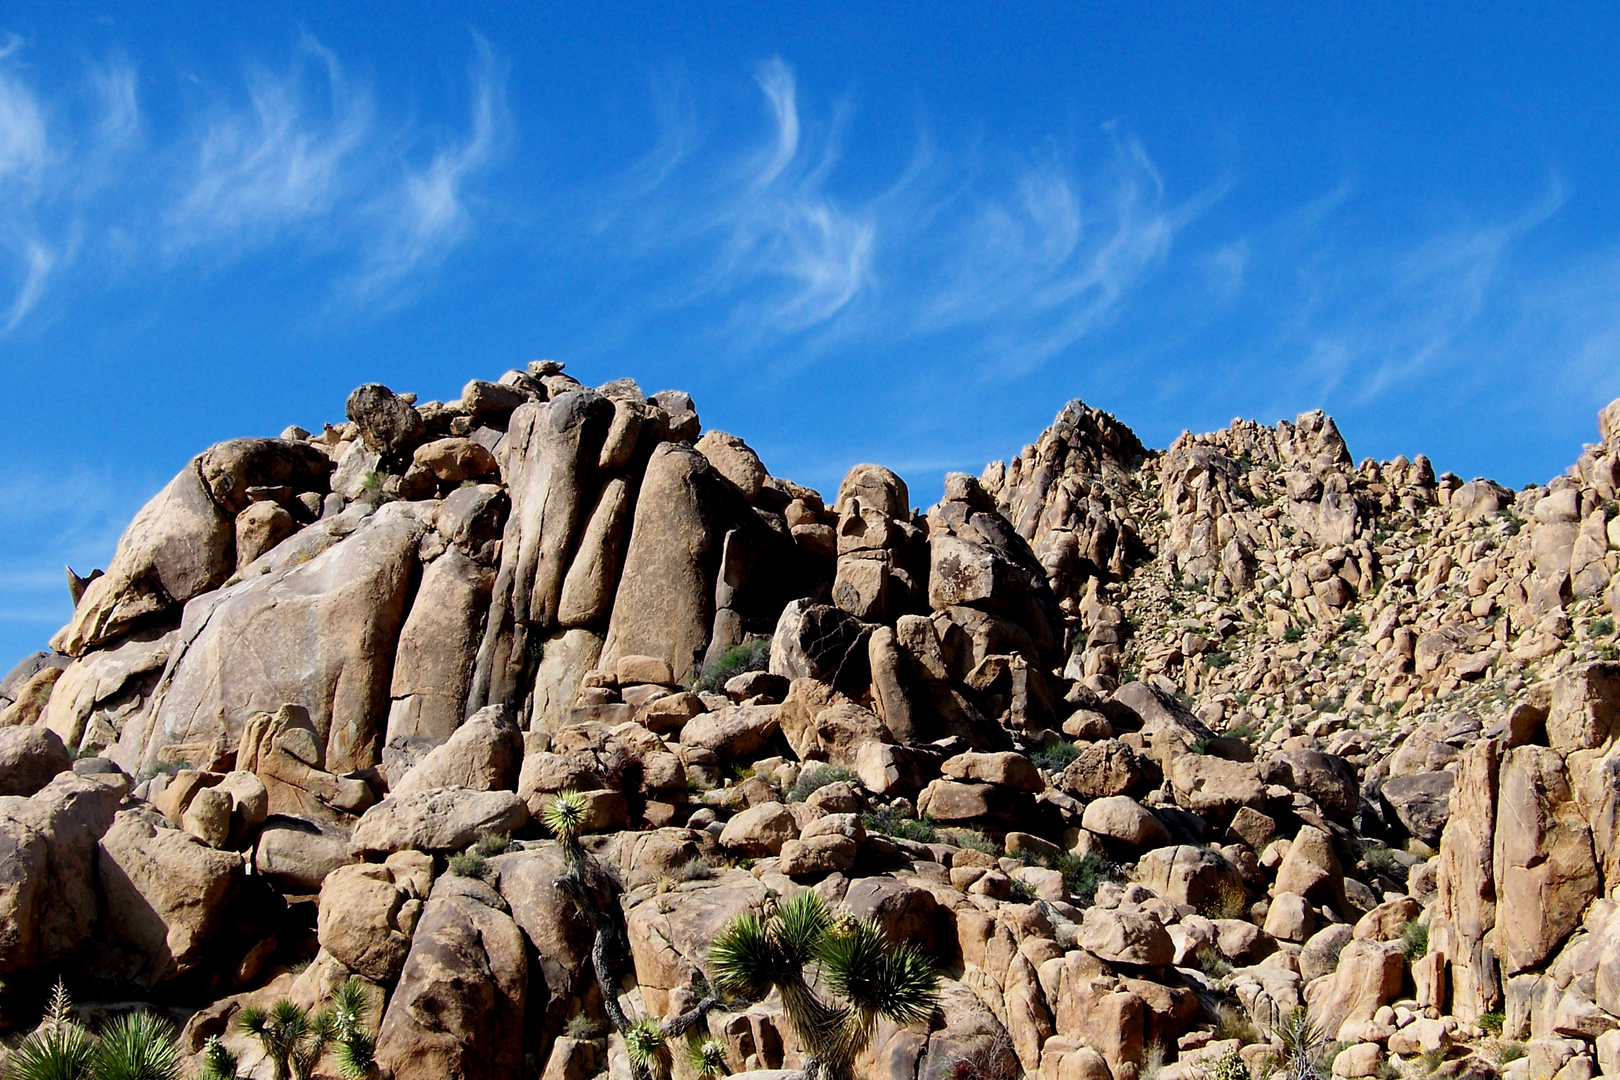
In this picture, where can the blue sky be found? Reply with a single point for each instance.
(900, 233)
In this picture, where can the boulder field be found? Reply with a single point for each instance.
(1154, 752)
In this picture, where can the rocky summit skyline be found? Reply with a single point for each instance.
(543, 732)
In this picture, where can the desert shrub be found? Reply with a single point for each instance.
(1218, 659)
(1211, 962)
(1232, 1022)
(491, 844)
(1083, 873)
(1023, 892)
(1601, 627)
(1380, 859)
(1293, 634)
(1229, 1067)
(1508, 1051)
(815, 777)
(886, 821)
(754, 655)
(581, 1026)
(1414, 941)
(1241, 731)
(1352, 622)
(696, 868)
(1056, 756)
(1493, 1022)
(468, 864)
(1229, 902)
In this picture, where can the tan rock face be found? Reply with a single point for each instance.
(1465, 903)
(1545, 871)
(321, 634)
(165, 892)
(484, 754)
(366, 919)
(458, 1008)
(439, 819)
(1368, 976)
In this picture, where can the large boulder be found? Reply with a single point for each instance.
(1102, 770)
(735, 731)
(558, 932)
(166, 892)
(181, 543)
(484, 754)
(99, 692)
(1546, 873)
(1122, 818)
(1368, 976)
(1327, 778)
(1213, 787)
(49, 897)
(389, 424)
(296, 854)
(285, 753)
(1311, 869)
(1465, 884)
(1421, 802)
(760, 830)
(665, 603)
(458, 1008)
(434, 660)
(29, 758)
(319, 633)
(440, 819)
(1123, 936)
(820, 642)
(369, 911)
(670, 936)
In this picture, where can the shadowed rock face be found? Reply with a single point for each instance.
(1113, 733)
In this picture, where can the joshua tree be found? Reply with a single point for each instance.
(594, 893)
(294, 1040)
(852, 960)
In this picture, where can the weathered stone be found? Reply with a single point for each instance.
(1213, 787)
(458, 1008)
(732, 732)
(1327, 778)
(1006, 768)
(1368, 976)
(549, 459)
(818, 641)
(296, 854)
(441, 819)
(29, 758)
(431, 674)
(366, 920)
(1421, 802)
(454, 460)
(760, 830)
(1312, 870)
(319, 633)
(1102, 770)
(593, 577)
(484, 754)
(1124, 937)
(165, 891)
(1122, 818)
(388, 423)
(736, 461)
(1544, 866)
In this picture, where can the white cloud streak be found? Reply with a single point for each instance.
(1032, 260)
(299, 156)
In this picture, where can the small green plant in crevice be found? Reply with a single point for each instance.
(468, 864)
(1055, 757)
(1414, 941)
(885, 820)
(1152, 1061)
(580, 1026)
(1508, 1051)
(753, 655)
(1023, 892)
(1380, 859)
(973, 840)
(696, 868)
(1352, 623)
(1229, 902)
(1199, 746)
(1293, 635)
(1245, 732)
(1210, 961)
(815, 777)
(1219, 659)
(491, 844)
(1601, 627)
(1432, 1059)
(1492, 1023)
(1229, 1066)
(1232, 1022)
(1083, 873)
(1303, 1043)
(536, 649)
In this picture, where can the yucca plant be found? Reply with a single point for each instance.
(355, 1046)
(867, 975)
(1303, 1042)
(218, 1063)
(59, 1049)
(706, 1058)
(644, 1044)
(136, 1046)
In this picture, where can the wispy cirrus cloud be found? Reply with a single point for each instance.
(1031, 256)
(298, 155)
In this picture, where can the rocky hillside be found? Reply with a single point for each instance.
(483, 719)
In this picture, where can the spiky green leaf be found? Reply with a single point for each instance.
(643, 1041)
(565, 815)
(136, 1046)
(57, 1051)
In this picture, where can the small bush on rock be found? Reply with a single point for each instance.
(815, 777)
(1056, 756)
(1414, 941)
(468, 864)
(752, 655)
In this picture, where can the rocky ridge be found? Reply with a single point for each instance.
(1149, 749)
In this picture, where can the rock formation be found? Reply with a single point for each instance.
(1152, 751)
